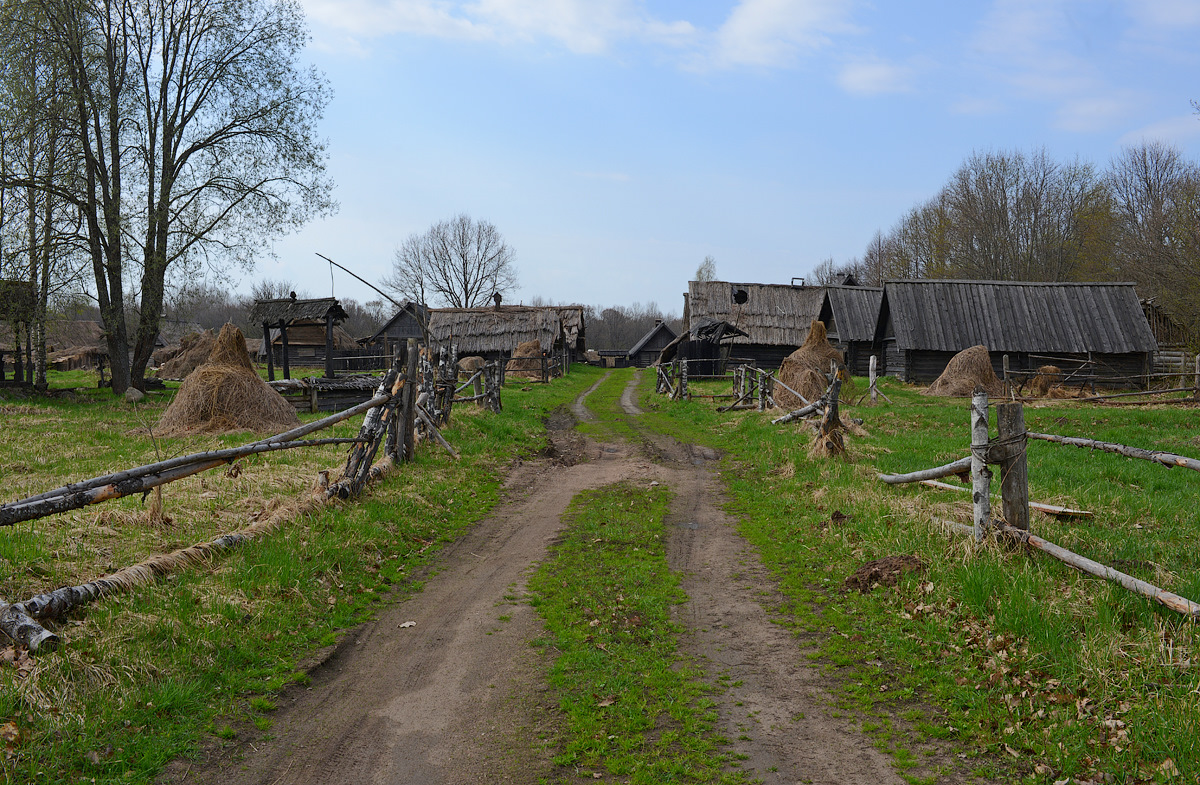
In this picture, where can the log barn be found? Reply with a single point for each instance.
(850, 323)
(1095, 330)
(495, 332)
(300, 332)
(645, 352)
(411, 320)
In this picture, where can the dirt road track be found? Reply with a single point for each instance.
(460, 696)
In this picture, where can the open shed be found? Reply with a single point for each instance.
(1097, 329)
(774, 317)
(289, 312)
(495, 332)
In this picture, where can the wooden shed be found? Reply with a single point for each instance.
(775, 317)
(1095, 329)
(645, 352)
(495, 332)
(410, 321)
(1175, 341)
(288, 314)
(852, 319)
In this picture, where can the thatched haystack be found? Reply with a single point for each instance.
(1047, 376)
(967, 370)
(527, 360)
(225, 394)
(467, 366)
(193, 352)
(805, 370)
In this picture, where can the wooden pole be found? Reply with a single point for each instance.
(287, 369)
(981, 476)
(1168, 459)
(1196, 383)
(960, 467)
(1014, 466)
(874, 381)
(409, 402)
(329, 345)
(1049, 509)
(270, 354)
(762, 391)
(796, 414)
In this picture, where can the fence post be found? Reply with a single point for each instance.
(1196, 382)
(1007, 386)
(409, 402)
(1014, 467)
(762, 391)
(312, 399)
(874, 381)
(683, 389)
(477, 390)
(981, 476)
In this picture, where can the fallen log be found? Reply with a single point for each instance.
(1139, 392)
(24, 631)
(1167, 459)
(960, 466)
(796, 414)
(433, 431)
(1049, 509)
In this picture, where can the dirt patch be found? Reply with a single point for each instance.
(884, 572)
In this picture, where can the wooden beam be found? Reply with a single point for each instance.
(1168, 459)
(1049, 509)
(960, 466)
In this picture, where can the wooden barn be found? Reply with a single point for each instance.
(853, 315)
(1175, 341)
(411, 321)
(774, 317)
(1095, 329)
(645, 351)
(301, 332)
(495, 332)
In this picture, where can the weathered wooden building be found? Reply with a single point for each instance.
(495, 332)
(645, 352)
(1175, 341)
(1097, 329)
(289, 320)
(410, 321)
(851, 319)
(774, 317)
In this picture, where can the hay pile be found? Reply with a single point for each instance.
(805, 369)
(467, 366)
(192, 352)
(225, 394)
(1048, 376)
(967, 370)
(527, 360)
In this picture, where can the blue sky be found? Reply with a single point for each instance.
(616, 143)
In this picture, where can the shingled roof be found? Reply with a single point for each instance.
(772, 315)
(1008, 316)
(855, 311)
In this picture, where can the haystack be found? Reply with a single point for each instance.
(193, 352)
(527, 360)
(1047, 376)
(467, 366)
(805, 370)
(967, 370)
(225, 394)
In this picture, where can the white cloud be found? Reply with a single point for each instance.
(375, 18)
(1168, 15)
(874, 77)
(773, 33)
(1173, 129)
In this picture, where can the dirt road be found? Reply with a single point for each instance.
(460, 696)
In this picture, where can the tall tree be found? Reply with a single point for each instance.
(460, 263)
(707, 271)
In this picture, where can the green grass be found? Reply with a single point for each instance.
(149, 676)
(995, 649)
(632, 707)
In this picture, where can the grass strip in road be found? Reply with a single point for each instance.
(632, 707)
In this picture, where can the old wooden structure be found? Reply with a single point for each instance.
(411, 320)
(288, 318)
(495, 332)
(645, 352)
(1096, 331)
(1175, 341)
(774, 317)
(17, 314)
(851, 316)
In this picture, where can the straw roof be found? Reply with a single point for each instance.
(772, 315)
(291, 311)
(481, 330)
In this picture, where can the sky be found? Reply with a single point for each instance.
(617, 143)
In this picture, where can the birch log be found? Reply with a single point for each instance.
(24, 631)
(1167, 459)
(1049, 509)
(958, 467)
(796, 414)
(981, 476)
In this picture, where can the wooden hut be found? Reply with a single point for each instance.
(1096, 330)
(645, 352)
(410, 321)
(1174, 340)
(774, 317)
(293, 317)
(17, 311)
(851, 321)
(495, 332)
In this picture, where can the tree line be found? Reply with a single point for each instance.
(144, 142)
(1014, 216)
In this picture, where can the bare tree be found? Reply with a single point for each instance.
(460, 263)
(707, 271)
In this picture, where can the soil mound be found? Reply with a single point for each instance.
(192, 352)
(225, 394)
(967, 370)
(527, 360)
(884, 572)
(1048, 376)
(805, 369)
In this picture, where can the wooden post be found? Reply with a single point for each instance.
(1014, 466)
(1004, 359)
(287, 372)
(329, 345)
(874, 381)
(18, 362)
(762, 391)
(408, 405)
(545, 369)
(270, 354)
(1196, 382)
(477, 390)
(683, 387)
(981, 476)
(312, 399)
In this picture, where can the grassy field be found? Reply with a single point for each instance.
(1034, 669)
(148, 676)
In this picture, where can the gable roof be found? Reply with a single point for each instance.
(411, 309)
(855, 311)
(291, 311)
(660, 327)
(773, 314)
(495, 329)
(1006, 316)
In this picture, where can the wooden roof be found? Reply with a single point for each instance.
(410, 309)
(495, 329)
(855, 311)
(660, 327)
(291, 311)
(773, 314)
(1004, 316)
